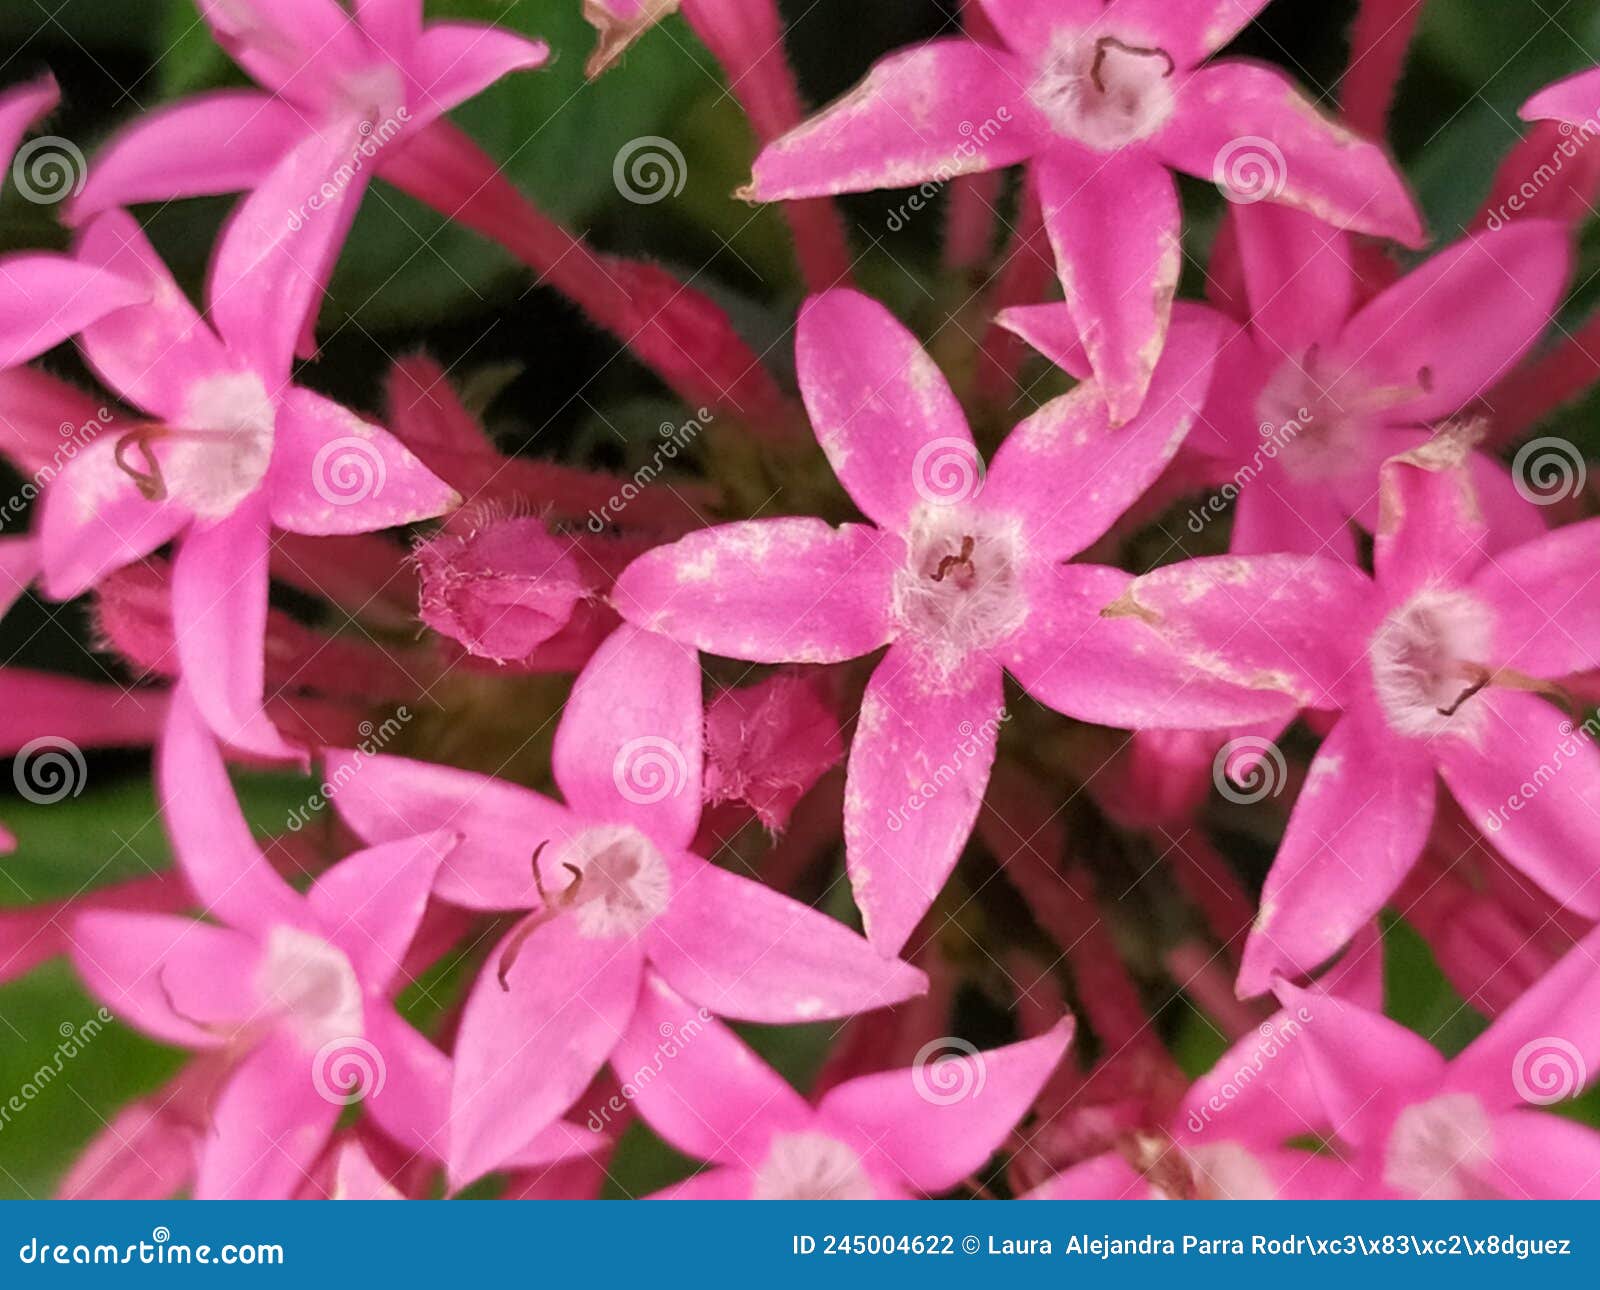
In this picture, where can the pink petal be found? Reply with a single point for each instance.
(697, 1084)
(1552, 832)
(20, 562)
(269, 1126)
(527, 1052)
(153, 353)
(44, 299)
(395, 25)
(219, 612)
(1050, 330)
(1233, 113)
(629, 746)
(1544, 1157)
(371, 902)
(1103, 1177)
(164, 974)
(1351, 1052)
(1115, 671)
(770, 591)
(1360, 822)
(882, 410)
(1575, 100)
(1546, 1044)
(1070, 477)
(1547, 621)
(210, 838)
(334, 473)
(735, 1183)
(1465, 317)
(208, 144)
(20, 107)
(1300, 275)
(749, 953)
(1260, 622)
(389, 799)
(93, 520)
(1275, 516)
(1114, 224)
(1028, 25)
(412, 1104)
(297, 44)
(1431, 530)
(456, 61)
(936, 1123)
(920, 114)
(918, 768)
(355, 1177)
(274, 256)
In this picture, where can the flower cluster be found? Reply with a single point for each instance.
(1274, 630)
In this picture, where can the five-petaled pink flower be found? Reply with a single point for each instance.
(960, 574)
(890, 1135)
(1100, 99)
(613, 888)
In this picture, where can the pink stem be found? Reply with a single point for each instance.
(1378, 42)
(1024, 280)
(746, 37)
(969, 230)
(1540, 386)
(681, 334)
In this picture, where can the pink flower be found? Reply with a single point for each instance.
(887, 1136)
(1317, 390)
(960, 574)
(232, 448)
(1436, 669)
(359, 85)
(1100, 101)
(1418, 1126)
(768, 744)
(613, 887)
(1227, 1137)
(295, 988)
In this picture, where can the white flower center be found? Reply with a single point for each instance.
(220, 453)
(1427, 657)
(1227, 1171)
(1439, 1150)
(309, 983)
(621, 884)
(962, 585)
(1102, 91)
(811, 1166)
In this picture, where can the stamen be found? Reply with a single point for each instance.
(1106, 44)
(152, 485)
(1481, 678)
(172, 1005)
(958, 561)
(1507, 678)
(564, 900)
